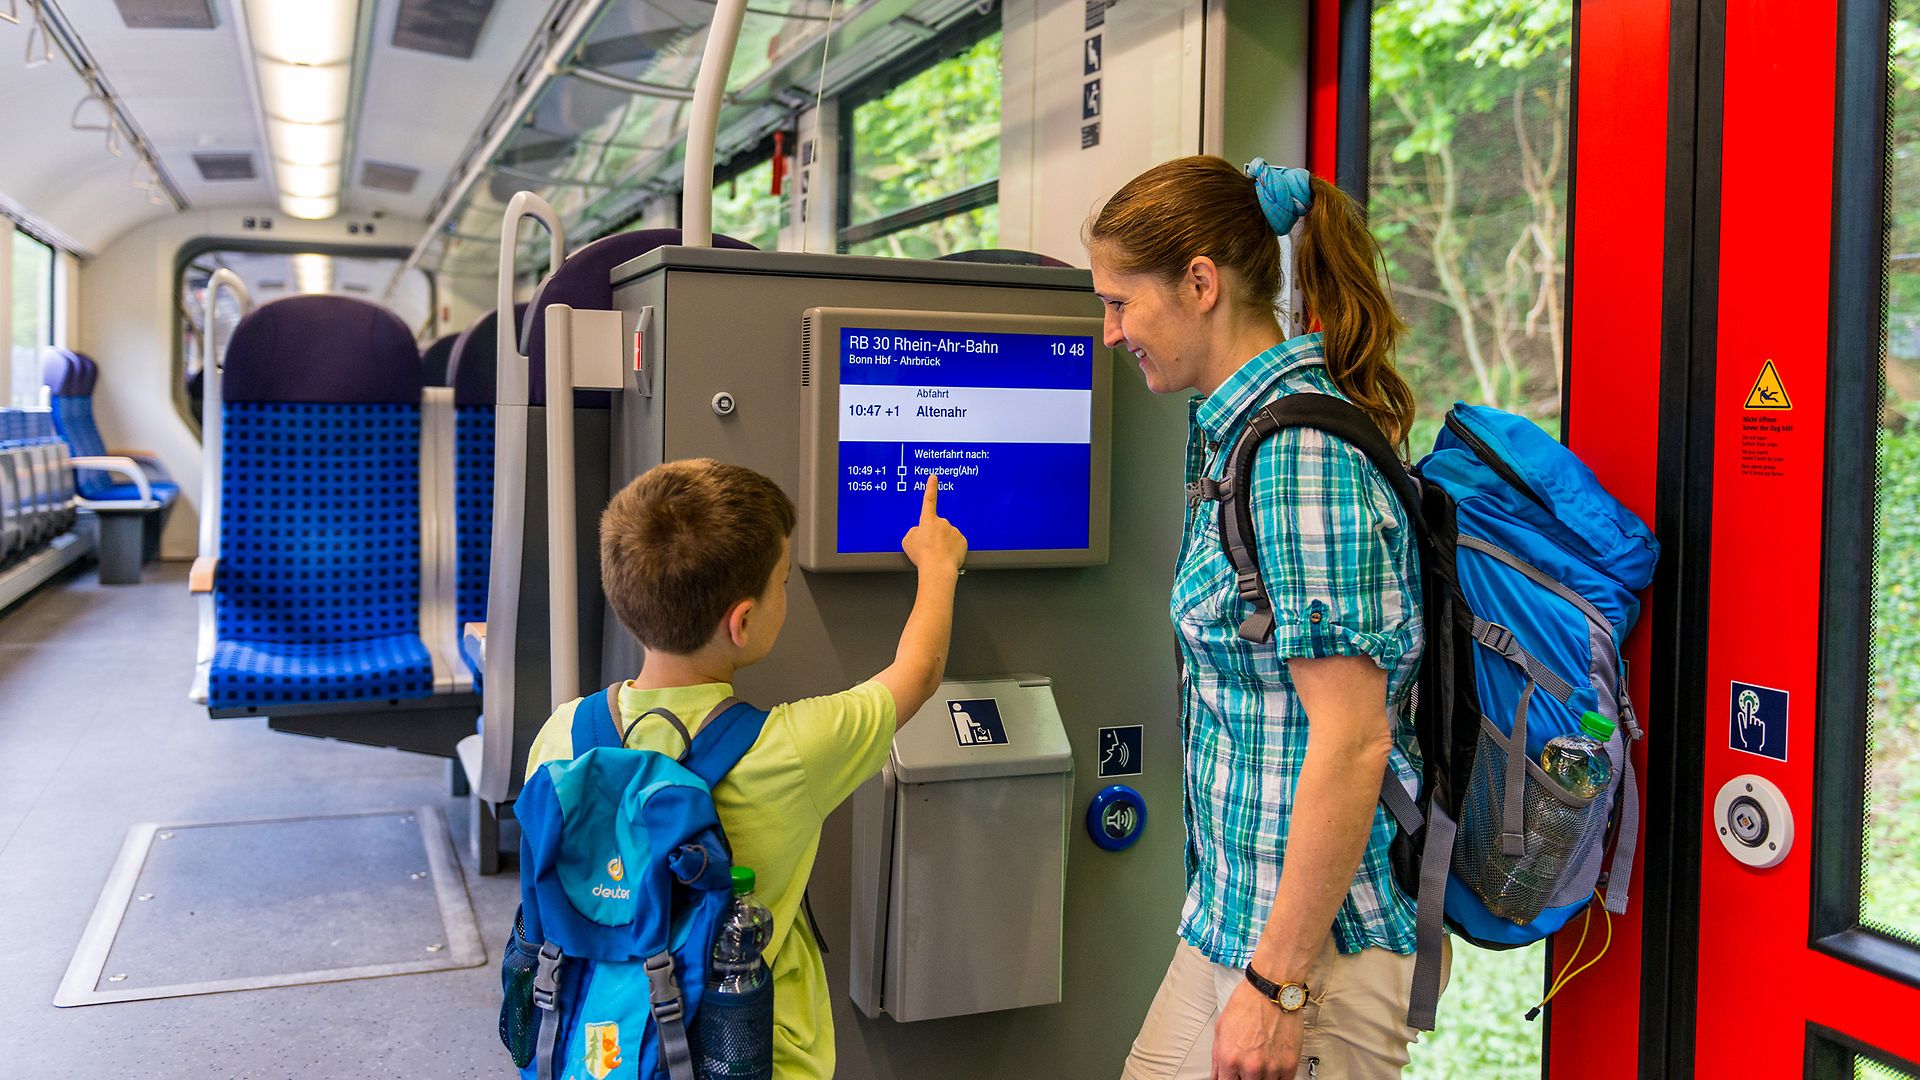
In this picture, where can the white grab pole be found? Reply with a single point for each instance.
(563, 571)
(211, 421)
(510, 365)
(703, 130)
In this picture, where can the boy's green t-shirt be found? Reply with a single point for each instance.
(811, 755)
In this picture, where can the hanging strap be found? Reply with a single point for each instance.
(1430, 918)
(1501, 640)
(1620, 866)
(669, 1016)
(546, 993)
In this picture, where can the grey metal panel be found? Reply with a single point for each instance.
(927, 750)
(858, 268)
(1101, 633)
(210, 907)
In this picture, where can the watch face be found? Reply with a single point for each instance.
(1293, 997)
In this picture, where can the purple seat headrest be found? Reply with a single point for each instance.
(68, 373)
(585, 280)
(1004, 257)
(437, 360)
(332, 350)
(474, 370)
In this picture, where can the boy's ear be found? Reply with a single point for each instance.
(733, 625)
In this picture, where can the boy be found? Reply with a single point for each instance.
(694, 557)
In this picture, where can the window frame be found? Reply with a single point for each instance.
(744, 162)
(944, 46)
(1856, 360)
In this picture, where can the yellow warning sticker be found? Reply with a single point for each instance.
(1768, 392)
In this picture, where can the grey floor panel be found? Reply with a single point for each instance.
(96, 735)
(205, 908)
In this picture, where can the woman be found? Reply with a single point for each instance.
(1295, 950)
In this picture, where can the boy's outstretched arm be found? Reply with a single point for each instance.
(937, 549)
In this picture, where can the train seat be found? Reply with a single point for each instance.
(472, 372)
(318, 585)
(70, 378)
(1004, 257)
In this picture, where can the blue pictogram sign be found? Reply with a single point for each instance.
(1757, 720)
(976, 722)
(1120, 751)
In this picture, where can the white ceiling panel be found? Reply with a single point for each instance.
(188, 90)
(420, 109)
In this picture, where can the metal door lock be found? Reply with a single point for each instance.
(723, 404)
(1753, 820)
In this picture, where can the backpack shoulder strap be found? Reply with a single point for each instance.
(596, 720)
(1323, 412)
(729, 732)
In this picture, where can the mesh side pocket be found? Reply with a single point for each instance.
(519, 1020)
(1561, 831)
(733, 1035)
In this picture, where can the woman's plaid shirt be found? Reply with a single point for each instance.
(1341, 566)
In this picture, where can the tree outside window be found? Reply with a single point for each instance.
(32, 315)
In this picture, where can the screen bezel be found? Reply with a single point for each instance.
(816, 533)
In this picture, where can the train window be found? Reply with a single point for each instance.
(1469, 120)
(745, 207)
(921, 155)
(1890, 892)
(32, 315)
(1471, 110)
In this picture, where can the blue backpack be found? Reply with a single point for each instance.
(1529, 571)
(625, 875)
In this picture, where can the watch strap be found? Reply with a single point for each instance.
(1272, 990)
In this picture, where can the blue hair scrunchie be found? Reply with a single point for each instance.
(1285, 193)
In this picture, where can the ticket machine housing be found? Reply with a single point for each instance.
(726, 322)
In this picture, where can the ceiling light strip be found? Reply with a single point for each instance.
(304, 64)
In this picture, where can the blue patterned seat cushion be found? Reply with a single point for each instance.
(264, 673)
(473, 509)
(318, 590)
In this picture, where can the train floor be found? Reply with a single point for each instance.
(96, 735)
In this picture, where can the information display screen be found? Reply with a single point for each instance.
(1004, 420)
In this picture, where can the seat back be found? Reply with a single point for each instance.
(320, 475)
(436, 361)
(1003, 257)
(70, 378)
(473, 375)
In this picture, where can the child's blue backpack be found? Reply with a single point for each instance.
(1530, 571)
(625, 876)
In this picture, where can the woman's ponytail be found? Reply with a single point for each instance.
(1337, 267)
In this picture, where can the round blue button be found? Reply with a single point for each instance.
(1116, 817)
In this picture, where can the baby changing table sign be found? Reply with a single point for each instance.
(977, 722)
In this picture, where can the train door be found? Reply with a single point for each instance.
(1808, 678)
(1514, 161)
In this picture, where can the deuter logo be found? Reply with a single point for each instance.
(614, 869)
(610, 893)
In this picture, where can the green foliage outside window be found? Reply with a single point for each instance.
(32, 314)
(1890, 894)
(1471, 103)
(936, 133)
(746, 208)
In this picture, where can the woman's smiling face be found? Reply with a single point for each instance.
(1159, 324)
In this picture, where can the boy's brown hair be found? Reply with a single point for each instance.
(684, 542)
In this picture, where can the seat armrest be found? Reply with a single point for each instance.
(200, 578)
(148, 461)
(125, 466)
(475, 637)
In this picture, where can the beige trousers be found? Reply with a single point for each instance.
(1356, 1016)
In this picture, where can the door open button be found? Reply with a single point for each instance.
(1753, 820)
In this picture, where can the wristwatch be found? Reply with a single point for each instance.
(1291, 997)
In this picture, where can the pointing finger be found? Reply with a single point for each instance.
(928, 512)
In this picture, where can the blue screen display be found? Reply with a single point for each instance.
(1004, 420)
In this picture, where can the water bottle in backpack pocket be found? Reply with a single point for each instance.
(1563, 821)
(733, 1035)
